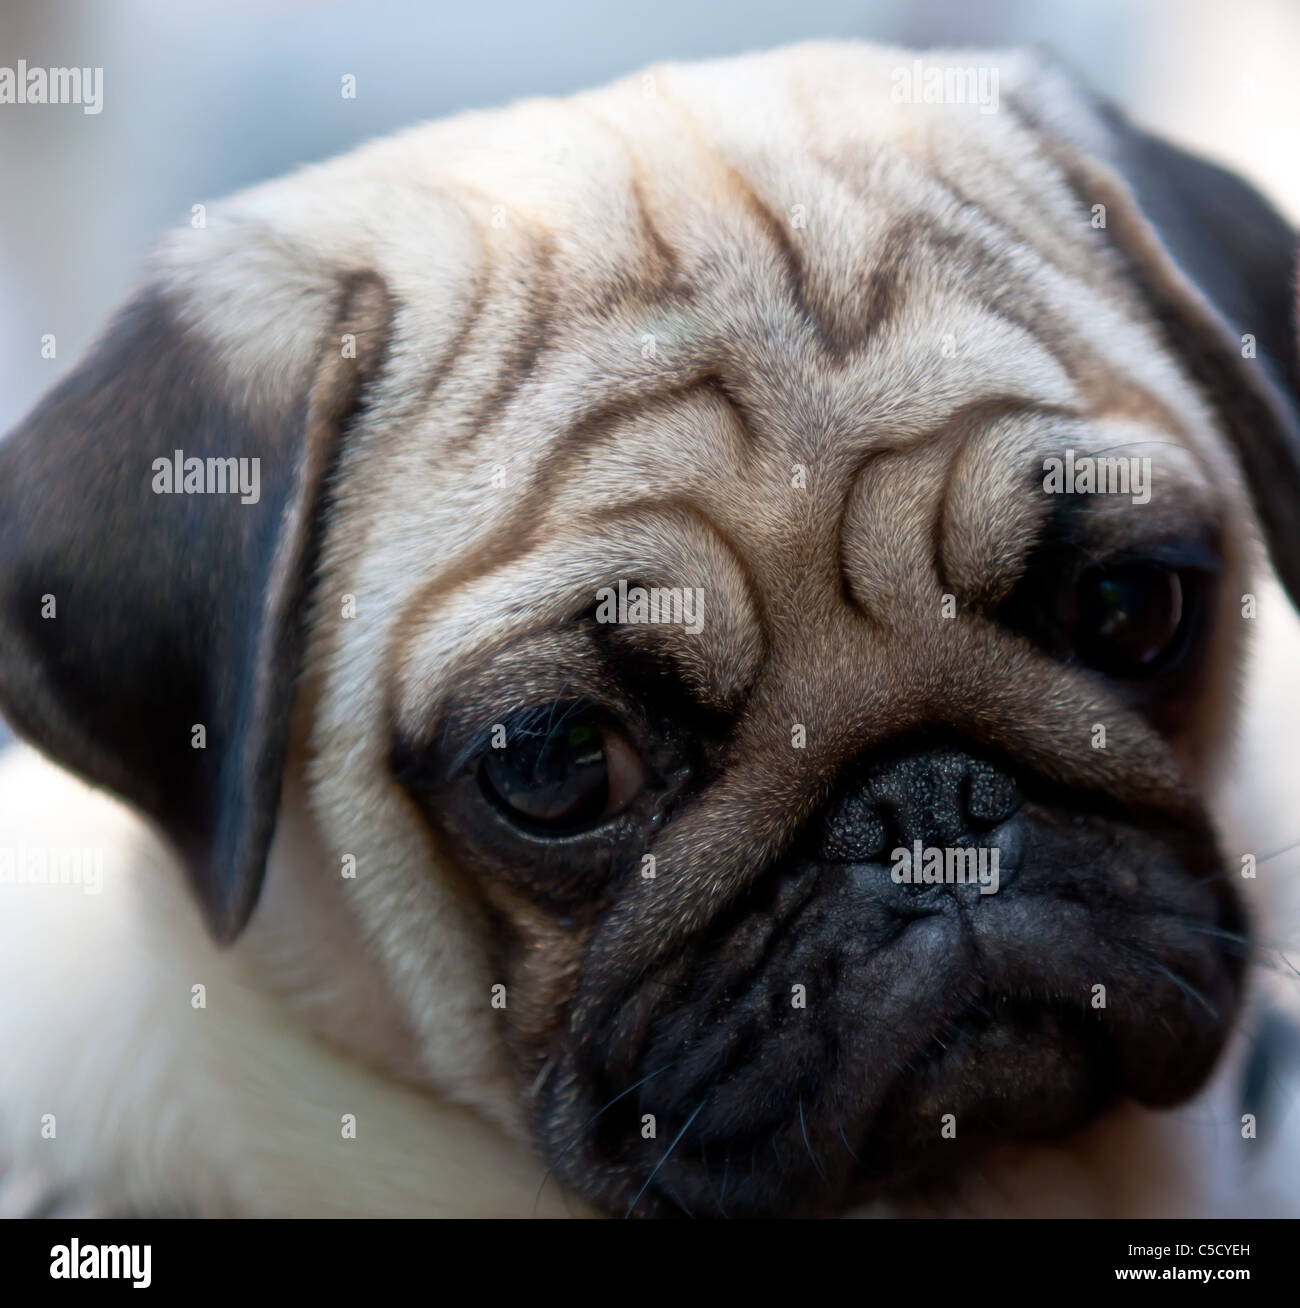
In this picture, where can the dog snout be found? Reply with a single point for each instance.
(930, 798)
(811, 1042)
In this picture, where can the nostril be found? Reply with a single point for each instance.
(939, 796)
(989, 796)
(857, 832)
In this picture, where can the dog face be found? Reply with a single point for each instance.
(888, 838)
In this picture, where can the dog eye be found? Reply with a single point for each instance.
(563, 777)
(1129, 619)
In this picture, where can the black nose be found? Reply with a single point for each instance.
(940, 796)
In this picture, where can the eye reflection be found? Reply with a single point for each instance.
(562, 776)
(1128, 618)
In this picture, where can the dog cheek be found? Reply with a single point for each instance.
(542, 961)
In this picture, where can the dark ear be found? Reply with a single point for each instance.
(1218, 264)
(133, 611)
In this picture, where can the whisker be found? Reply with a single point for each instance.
(1181, 982)
(1295, 844)
(577, 1135)
(664, 1159)
(803, 1126)
(847, 1146)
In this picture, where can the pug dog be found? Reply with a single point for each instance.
(672, 651)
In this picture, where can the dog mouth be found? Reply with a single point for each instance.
(1002, 1069)
(1005, 1068)
(933, 1030)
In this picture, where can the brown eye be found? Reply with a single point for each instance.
(1129, 618)
(562, 776)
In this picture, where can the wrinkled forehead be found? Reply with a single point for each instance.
(838, 369)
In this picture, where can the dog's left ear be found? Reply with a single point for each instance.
(1217, 264)
(159, 519)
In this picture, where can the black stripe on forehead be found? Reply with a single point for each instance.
(950, 231)
(455, 348)
(541, 298)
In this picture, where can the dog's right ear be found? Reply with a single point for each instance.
(159, 515)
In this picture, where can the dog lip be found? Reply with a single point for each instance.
(1011, 1066)
(1007, 1070)
(1007, 1067)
